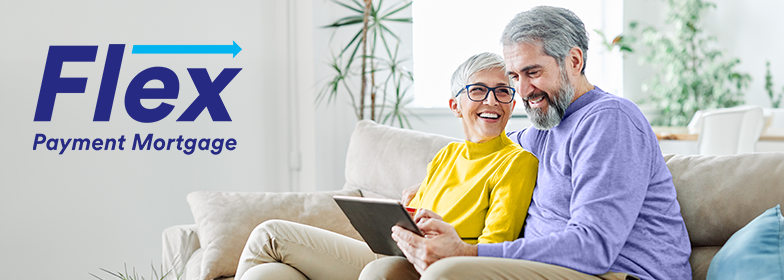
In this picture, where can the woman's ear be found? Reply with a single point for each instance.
(455, 107)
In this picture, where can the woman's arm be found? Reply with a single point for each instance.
(509, 198)
(409, 193)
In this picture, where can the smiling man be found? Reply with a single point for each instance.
(604, 206)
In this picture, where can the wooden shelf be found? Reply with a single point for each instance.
(681, 133)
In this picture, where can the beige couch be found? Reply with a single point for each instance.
(718, 196)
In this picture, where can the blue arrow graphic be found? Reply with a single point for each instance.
(187, 49)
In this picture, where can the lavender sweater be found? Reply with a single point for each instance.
(604, 199)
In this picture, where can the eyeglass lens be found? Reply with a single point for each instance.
(480, 92)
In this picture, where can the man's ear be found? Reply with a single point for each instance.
(574, 61)
(454, 107)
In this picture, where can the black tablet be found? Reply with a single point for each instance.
(374, 218)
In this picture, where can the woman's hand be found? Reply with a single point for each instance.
(423, 213)
(408, 194)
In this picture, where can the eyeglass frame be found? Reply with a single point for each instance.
(489, 89)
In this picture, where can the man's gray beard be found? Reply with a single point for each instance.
(555, 108)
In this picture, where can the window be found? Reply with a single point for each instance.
(446, 32)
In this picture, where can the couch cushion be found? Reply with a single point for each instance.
(226, 219)
(383, 160)
(720, 194)
(700, 260)
(754, 252)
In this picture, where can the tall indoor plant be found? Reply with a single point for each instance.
(775, 100)
(372, 58)
(692, 74)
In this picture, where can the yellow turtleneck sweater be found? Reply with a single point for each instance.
(482, 189)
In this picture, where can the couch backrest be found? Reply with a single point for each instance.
(718, 194)
(721, 194)
(382, 161)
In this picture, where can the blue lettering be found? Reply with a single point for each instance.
(230, 144)
(138, 140)
(217, 149)
(51, 144)
(111, 72)
(98, 143)
(36, 141)
(204, 144)
(190, 145)
(161, 146)
(122, 141)
(65, 144)
(81, 141)
(136, 92)
(209, 97)
(52, 82)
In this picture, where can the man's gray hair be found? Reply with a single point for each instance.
(474, 64)
(556, 30)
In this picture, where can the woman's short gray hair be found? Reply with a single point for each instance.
(557, 30)
(474, 64)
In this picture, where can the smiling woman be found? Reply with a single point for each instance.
(484, 116)
(475, 28)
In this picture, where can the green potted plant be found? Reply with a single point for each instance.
(371, 58)
(775, 100)
(692, 73)
(159, 274)
(775, 115)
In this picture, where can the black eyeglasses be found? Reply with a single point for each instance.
(478, 93)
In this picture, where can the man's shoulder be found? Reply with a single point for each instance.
(612, 108)
(607, 101)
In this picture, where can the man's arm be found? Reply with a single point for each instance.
(610, 172)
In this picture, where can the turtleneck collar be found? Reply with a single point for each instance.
(480, 150)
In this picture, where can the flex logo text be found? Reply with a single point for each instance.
(209, 89)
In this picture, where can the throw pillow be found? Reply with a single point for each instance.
(754, 251)
(226, 219)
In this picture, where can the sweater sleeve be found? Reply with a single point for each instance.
(610, 170)
(509, 198)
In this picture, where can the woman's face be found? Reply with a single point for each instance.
(485, 120)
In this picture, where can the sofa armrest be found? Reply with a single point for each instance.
(179, 243)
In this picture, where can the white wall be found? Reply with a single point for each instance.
(66, 215)
(748, 30)
(334, 122)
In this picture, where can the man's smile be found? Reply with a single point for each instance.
(536, 100)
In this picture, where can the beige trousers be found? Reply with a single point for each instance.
(286, 250)
(279, 249)
(478, 268)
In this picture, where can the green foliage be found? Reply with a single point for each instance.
(154, 274)
(692, 75)
(372, 56)
(775, 100)
(623, 42)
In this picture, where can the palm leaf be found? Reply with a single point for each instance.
(347, 6)
(397, 10)
(346, 21)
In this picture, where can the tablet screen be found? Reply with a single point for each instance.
(374, 218)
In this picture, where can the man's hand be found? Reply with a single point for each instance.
(408, 194)
(440, 241)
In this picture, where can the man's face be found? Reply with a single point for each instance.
(543, 85)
